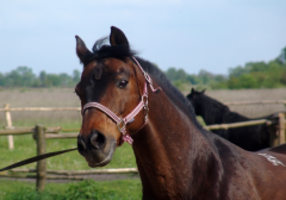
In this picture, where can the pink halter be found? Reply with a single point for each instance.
(122, 122)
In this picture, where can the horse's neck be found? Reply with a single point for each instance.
(213, 112)
(169, 151)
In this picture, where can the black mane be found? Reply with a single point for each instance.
(213, 108)
(156, 72)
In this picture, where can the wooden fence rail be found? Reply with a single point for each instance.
(27, 130)
(7, 109)
(255, 102)
(238, 124)
(41, 133)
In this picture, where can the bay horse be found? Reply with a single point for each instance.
(251, 138)
(126, 98)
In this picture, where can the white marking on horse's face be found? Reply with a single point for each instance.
(272, 159)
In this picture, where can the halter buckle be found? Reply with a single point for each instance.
(122, 128)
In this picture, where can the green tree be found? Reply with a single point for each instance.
(205, 76)
(193, 79)
(43, 79)
(2, 79)
(181, 75)
(171, 74)
(76, 76)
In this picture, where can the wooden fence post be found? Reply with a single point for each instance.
(9, 126)
(41, 165)
(281, 128)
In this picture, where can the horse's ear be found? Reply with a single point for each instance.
(192, 90)
(81, 49)
(117, 37)
(203, 91)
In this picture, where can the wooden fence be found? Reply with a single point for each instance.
(40, 134)
(255, 102)
(9, 125)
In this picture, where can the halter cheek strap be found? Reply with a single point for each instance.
(122, 122)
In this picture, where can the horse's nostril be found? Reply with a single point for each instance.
(97, 139)
(81, 144)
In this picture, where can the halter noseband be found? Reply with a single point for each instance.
(122, 122)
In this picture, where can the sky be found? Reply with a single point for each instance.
(212, 35)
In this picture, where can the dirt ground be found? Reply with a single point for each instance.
(65, 97)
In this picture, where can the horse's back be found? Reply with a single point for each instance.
(269, 172)
(281, 149)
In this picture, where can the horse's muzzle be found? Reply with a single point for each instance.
(95, 140)
(96, 148)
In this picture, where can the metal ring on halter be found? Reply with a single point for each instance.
(146, 99)
(145, 107)
(148, 78)
(122, 127)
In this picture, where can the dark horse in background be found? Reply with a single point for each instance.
(175, 156)
(251, 138)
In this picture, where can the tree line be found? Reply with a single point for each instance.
(270, 74)
(24, 77)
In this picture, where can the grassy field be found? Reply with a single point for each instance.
(25, 147)
(84, 190)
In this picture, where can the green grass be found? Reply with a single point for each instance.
(25, 147)
(85, 190)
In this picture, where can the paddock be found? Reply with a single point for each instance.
(64, 133)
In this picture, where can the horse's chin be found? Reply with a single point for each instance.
(105, 158)
(93, 164)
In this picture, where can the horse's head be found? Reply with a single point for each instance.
(111, 84)
(195, 97)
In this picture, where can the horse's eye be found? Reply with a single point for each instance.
(122, 84)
